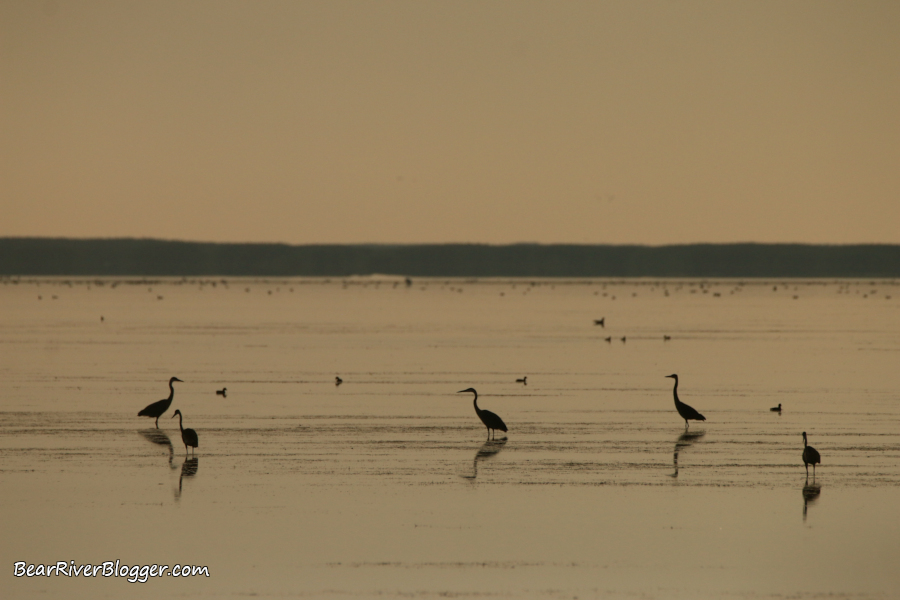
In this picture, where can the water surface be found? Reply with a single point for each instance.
(386, 486)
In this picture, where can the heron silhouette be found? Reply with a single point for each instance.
(686, 412)
(155, 410)
(811, 456)
(776, 408)
(490, 420)
(188, 436)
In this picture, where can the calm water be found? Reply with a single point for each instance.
(385, 486)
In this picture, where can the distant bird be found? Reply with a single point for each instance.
(490, 420)
(608, 339)
(222, 392)
(523, 381)
(156, 409)
(666, 338)
(600, 322)
(811, 456)
(338, 381)
(683, 409)
(623, 339)
(776, 408)
(188, 436)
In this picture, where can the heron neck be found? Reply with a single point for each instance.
(675, 391)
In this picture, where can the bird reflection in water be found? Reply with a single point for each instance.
(188, 469)
(160, 438)
(487, 450)
(811, 493)
(684, 441)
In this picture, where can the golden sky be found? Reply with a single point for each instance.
(650, 122)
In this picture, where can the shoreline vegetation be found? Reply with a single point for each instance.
(153, 257)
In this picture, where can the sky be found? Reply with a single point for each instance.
(488, 121)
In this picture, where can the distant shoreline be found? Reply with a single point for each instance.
(162, 258)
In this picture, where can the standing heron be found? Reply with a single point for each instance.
(686, 412)
(811, 456)
(155, 410)
(490, 420)
(188, 436)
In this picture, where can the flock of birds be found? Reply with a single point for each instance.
(491, 420)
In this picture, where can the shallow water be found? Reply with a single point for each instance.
(385, 485)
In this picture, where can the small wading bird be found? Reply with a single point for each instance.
(523, 381)
(188, 436)
(222, 392)
(811, 456)
(776, 408)
(490, 420)
(155, 410)
(683, 409)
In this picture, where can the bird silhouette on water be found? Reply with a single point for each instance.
(155, 410)
(600, 322)
(811, 456)
(490, 420)
(776, 408)
(188, 436)
(523, 381)
(338, 381)
(223, 392)
(686, 412)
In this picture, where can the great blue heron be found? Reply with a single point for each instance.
(490, 420)
(811, 456)
(188, 436)
(155, 410)
(686, 412)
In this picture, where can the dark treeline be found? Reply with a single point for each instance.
(50, 256)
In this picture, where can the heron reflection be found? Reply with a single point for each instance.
(487, 450)
(188, 469)
(160, 438)
(811, 493)
(684, 441)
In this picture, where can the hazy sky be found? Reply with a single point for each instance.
(486, 121)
